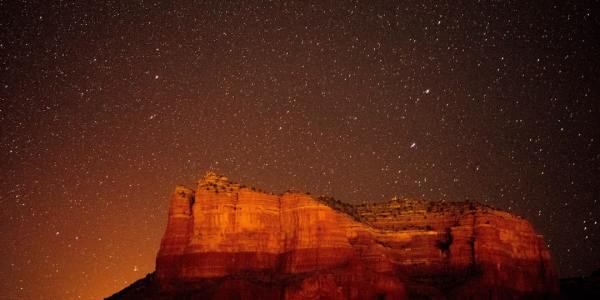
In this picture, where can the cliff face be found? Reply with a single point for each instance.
(225, 241)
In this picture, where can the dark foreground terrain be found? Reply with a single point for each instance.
(571, 288)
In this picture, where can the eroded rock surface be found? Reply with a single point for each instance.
(224, 241)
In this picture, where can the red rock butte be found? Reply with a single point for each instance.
(226, 241)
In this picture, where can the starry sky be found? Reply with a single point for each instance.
(104, 108)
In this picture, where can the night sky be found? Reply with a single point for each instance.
(105, 108)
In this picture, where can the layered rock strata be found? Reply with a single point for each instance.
(224, 241)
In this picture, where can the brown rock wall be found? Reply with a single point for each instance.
(304, 249)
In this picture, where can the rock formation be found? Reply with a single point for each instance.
(225, 241)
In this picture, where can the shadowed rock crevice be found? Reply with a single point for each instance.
(445, 243)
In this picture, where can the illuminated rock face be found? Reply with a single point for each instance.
(224, 241)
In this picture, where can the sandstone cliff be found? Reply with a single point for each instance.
(224, 241)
